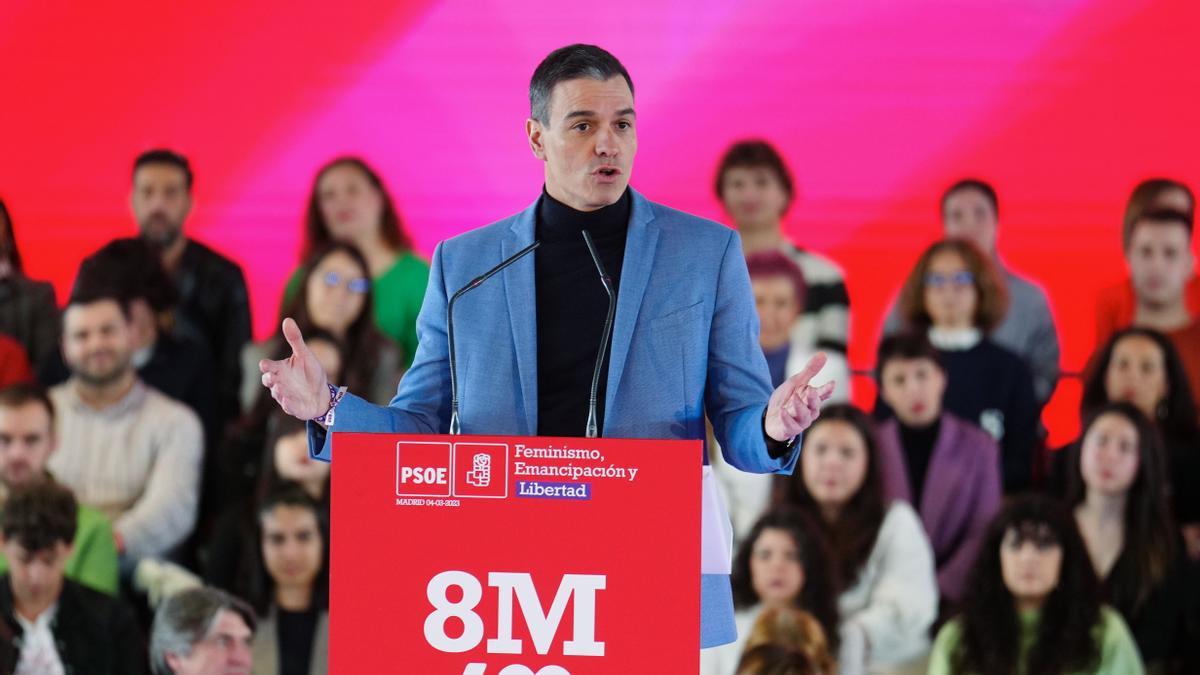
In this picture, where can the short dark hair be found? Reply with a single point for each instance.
(754, 154)
(907, 345)
(22, 393)
(1148, 195)
(89, 295)
(988, 191)
(39, 515)
(570, 63)
(1160, 215)
(165, 156)
(132, 268)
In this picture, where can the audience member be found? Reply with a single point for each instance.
(1158, 250)
(49, 623)
(126, 449)
(336, 296)
(1117, 486)
(756, 189)
(944, 466)
(786, 640)
(970, 210)
(210, 288)
(779, 297)
(350, 204)
(202, 631)
(1118, 302)
(1033, 603)
(26, 443)
(882, 557)
(293, 636)
(28, 310)
(956, 297)
(1142, 367)
(783, 563)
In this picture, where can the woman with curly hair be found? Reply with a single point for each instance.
(1033, 604)
(956, 297)
(1117, 488)
(783, 562)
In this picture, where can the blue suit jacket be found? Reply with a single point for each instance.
(685, 342)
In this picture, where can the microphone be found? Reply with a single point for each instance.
(592, 430)
(455, 425)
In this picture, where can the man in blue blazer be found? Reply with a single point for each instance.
(685, 340)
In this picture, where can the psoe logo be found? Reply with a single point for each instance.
(423, 469)
(481, 470)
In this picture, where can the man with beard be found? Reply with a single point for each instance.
(26, 443)
(213, 304)
(124, 448)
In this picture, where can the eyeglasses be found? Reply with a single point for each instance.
(356, 285)
(958, 279)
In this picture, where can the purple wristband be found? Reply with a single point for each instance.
(335, 397)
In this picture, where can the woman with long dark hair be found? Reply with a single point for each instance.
(1142, 367)
(1033, 604)
(28, 310)
(349, 204)
(888, 588)
(1117, 488)
(782, 562)
(335, 295)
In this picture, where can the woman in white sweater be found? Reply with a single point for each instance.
(889, 594)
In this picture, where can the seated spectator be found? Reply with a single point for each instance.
(881, 554)
(955, 296)
(293, 636)
(944, 466)
(1158, 250)
(1033, 603)
(779, 296)
(202, 631)
(783, 563)
(234, 560)
(28, 310)
(1118, 302)
(336, 297)
(1142, 367)
(756, 189)
(53, 624)
(1117, 486)
(349, 204)
(123, 447)
(26, 443)
(970, 210)
(212, 303)
(786, 640)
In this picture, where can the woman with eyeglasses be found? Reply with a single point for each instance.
(955, 296)
(1033, 604)
(349, 204)
(335, 296)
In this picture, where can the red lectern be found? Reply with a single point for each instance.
(478, 555)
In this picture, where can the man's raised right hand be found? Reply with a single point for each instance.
(298, 382)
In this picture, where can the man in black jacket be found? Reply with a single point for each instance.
(51, 624)
(211, 289)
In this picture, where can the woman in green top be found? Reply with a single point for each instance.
(1033, 605)
(350, 204)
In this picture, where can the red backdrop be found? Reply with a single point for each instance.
(1063, 105)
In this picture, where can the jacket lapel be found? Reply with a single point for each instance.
(520, 293)
(640, 245)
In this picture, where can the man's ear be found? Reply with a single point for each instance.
(534, 130)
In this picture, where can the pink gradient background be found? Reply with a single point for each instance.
(1063, 105)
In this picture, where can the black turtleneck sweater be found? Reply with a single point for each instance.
(918, 449)
(571, 308)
